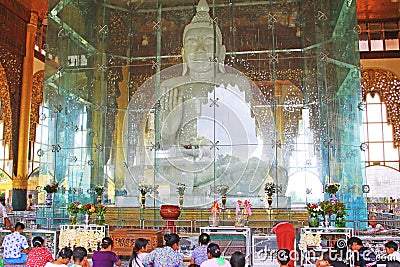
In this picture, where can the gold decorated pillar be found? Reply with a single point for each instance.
(20, 181)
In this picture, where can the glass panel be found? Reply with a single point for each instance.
(387, 132)
(374, 113)
(363, 46)
(392, 44)
(374, 132)
(375, 152)
(150, 94)
(375, 26)
(391, 153)
(390, 25)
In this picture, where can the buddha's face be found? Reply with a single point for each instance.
(198, 49)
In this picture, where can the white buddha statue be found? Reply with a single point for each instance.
(213, 125)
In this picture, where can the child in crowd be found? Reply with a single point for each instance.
(79, 256)
(64, 257)
(199, 254)
(238, 259)
(214, 257)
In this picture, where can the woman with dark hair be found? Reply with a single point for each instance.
(138, 253)
(237, 259)
(64, 257)
(214, 257)
(105, 257)
(39, 255)
(167, 256)
(199, 254)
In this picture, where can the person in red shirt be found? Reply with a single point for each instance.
(285, 237)
(39, 255)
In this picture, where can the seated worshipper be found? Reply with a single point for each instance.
(214, 257)
(199, 254)
(139, 252)
(374, 226)
(391, 250)
(167, 256)
(105, 257)
(16, 246)
(64, 257)
(79, 256)
(363, 257)
(39, 255)
(3, 213)
(238, 259)
(285, 237)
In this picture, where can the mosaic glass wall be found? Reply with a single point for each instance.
(216, 96)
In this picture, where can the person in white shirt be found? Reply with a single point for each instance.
(5, 221)
(391, 250)
(214, 257)
(16, 246)
(374, 226)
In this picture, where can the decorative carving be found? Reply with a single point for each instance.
(387, 85)
(5, 106)
(36, 101)
(20, 182)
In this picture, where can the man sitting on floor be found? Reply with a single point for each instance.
(16, 246)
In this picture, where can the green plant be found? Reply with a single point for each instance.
(314, 209)
(327, 207)
(181, 189)
(270, 188)
(74, 207)
(332, 188)
(99, 189)
(51, 188)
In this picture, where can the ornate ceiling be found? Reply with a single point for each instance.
(366, 9)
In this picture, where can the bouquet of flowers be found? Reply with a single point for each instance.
(314, 209)
(88, 209)
(215, 209)
(181, 189)
(222, 189)
(270, 188)
(332, 188)
(327, 207)
(99, 189)
(340, 208)
(246, 208)
(51, 188)
(74, 207)
(145, 188)
(101, 210)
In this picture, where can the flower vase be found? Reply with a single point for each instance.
(327, 220)
(241, 221)
(214, 220)
(181, 201)
(223, 202)
(313, 221)
(99, 199)
(49, 200)
(143, 201)
(340, 221)
(73, 218)
(100, 220)
(269, 201)
(86, 219)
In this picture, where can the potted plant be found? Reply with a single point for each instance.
(50, 190)
(215, 211)
(73, 209)
(242, 214)
(314, 210)
(101, 211)
(270, 190)
(181, 191)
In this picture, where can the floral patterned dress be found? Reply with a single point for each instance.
(163, 257)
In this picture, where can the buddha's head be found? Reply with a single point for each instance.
(199, 42)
